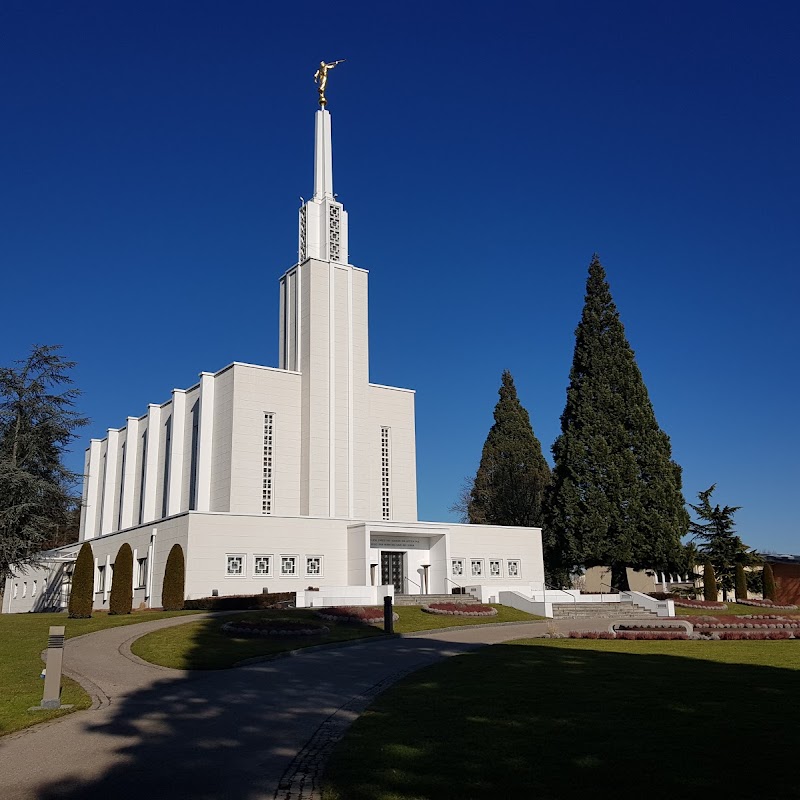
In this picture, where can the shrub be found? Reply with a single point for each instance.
(275, 627)
(709, 583)
(121, 599)
(460, 609)
(172, 590)
(239, 602)
(81, 597)
(770, 590)
(741, 583)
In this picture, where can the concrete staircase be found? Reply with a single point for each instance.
(601, 611)
(426, 599)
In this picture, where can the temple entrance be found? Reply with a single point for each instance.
(392, 570)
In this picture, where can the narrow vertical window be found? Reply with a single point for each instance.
(193, 463)
(103, 491)
(386, 506)
(142, 477)
(266, 488)
(121, 489)
(167, 456)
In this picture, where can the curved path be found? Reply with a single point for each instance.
(256, 731)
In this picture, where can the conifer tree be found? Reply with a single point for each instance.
(172, 591)
(512, 479)
(81, 596)
(616, 497)
(121, 599)
(710, 592)
(770, 590)
(741, 583)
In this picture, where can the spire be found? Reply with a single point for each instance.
(323, 158)
(323, 220)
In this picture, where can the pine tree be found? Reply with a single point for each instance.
(770, 590)
(512, 479)
(172, 590)
(37, 424)
(81, 596)
(121, 599)
(718, 540)
(616, 497)
(709, 583)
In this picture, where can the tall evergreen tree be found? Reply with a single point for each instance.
(715, 531)
(37, 424)
(616, 498)
(510, 485)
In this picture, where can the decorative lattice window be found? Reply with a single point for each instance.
(303, 243)
(288, 566)
(313, 566)
(476, 567)
(513, 567)
(495, 568)
(457, 567)
(262, 565)
(386, 505)
(334, 231)
(266, 487)
(235, 566)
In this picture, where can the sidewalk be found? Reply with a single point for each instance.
(236, 734)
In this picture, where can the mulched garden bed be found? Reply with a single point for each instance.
(460, 609)
(765, 604)
(684, 603)
(365, 615)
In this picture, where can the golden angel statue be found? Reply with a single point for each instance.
(321, 78)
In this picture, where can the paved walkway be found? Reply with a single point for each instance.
(258, 731)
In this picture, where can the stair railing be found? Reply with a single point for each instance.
(407, 579)
(457, 585)
(554, 589)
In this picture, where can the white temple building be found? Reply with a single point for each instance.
(283, 478)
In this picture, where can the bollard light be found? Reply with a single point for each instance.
(52, 670)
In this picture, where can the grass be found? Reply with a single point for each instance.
(24, 636)
(733, 608)
(203, 645)
(413, 618)
(564, 719)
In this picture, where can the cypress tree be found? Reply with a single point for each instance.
(512, 479)
(81, 596)
(172, 590)
(616, 498)
(709, 583)
(741, 583)
(770, 590)
(121, 598)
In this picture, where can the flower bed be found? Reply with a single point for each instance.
(758, 635)
(764, 604)
(460, 609)
(749, 622)
(653, 635)
(365, 615)
(684, 603)
(275, 627)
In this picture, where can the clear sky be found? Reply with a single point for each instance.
(152, 156)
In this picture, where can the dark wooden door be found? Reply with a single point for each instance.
(392, 571)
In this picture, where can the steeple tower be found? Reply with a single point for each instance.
(323, 220)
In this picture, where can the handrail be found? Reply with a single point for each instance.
(457, 585)
(406, 578)
(617, 590)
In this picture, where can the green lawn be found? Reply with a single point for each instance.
(413, 618)
(203, 645)
(23, 638)
(567, 719)
(733, 608)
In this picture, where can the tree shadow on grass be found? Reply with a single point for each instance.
(554, 722)
(223, 734)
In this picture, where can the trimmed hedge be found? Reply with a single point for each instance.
(81, 596)
(709, 583)
(770, 590)
(121, 599)
(239, 602)
(172, 591)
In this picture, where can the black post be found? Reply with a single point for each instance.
(388, 615)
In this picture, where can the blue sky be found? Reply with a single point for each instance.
(152, 155)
